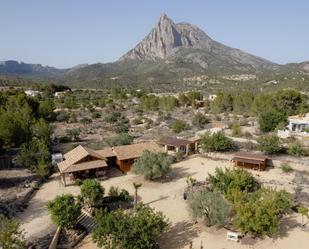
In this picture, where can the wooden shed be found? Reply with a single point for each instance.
(187, 146)
(250, 160)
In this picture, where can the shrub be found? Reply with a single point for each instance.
(178, 126)
(210, 207)
(236, 130)
(85, 120)
(96, 115)
(139, 229)
(297, 149)
(152, 165)
(269, 144)
(120, 139)
(137, 121)
(216, 142)
(200, 120)
(113, 191)
(62, 116)
(64, 210)
(286, 168)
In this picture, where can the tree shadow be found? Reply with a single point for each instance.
(179, 235)
(175, 174)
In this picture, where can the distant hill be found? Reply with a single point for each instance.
(12, 67)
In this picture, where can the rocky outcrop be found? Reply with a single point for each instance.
(172, 42)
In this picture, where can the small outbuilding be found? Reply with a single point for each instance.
(186, 146)
(250, 160)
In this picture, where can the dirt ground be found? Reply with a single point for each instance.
(167, 196)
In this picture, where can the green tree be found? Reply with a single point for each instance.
(222, 103)
(11, 235)
(269, 121)
(64, 210)
(261, 211)
(178, 126)
(262, 103)
(288, 100)
(152, 165)
(243, 102)
(42, 130)
(269, 144)
(216, 142)
(231, 179)
(129, 230)
(46, 109)
(92, 192)
(210, 207)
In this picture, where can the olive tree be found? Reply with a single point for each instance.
(152, 165)
(210, 207)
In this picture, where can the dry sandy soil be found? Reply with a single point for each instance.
(167, 196)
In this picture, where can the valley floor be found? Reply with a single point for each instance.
(167, 196)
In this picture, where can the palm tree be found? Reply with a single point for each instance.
(136, 187)
(304, 212)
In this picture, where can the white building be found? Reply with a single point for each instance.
(298, 126)
(32, 93)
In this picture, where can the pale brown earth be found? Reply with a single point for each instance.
(167, 196)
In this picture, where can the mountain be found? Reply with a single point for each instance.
(186, 42)
(12, 67)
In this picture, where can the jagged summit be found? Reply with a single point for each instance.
(170, 41)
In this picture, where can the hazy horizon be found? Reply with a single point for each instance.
(64, 34)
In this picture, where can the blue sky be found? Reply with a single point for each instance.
(64, 33)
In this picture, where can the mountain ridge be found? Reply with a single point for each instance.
(169, 53)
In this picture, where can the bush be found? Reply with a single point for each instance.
(62, 116)
(120, 139)
(286, 168)
(236, 130)
(137, 121)
(152, 165)
(127, 230)
(113, 191)
(297, 149)
(216, 142)
(200, 120)
(209, 206)
(178, 126)
(64, 210)
(85, 120)
(269, 144)
(236, 179)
